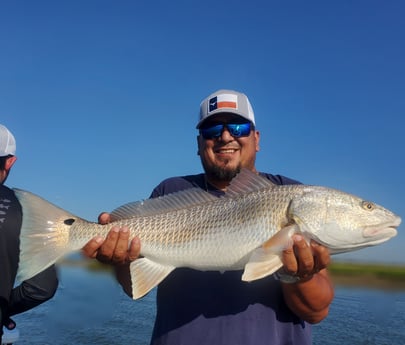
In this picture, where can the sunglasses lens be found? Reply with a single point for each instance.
(237, 130)
(212, 132)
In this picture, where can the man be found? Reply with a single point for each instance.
(195, 307)
(36, 290)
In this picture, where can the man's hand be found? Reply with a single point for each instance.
(116, 248)
(313, 292)
(303, 260)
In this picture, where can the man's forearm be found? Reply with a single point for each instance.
(310, 299)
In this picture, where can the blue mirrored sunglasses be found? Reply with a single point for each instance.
(237, 130)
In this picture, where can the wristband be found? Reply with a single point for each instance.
(286, 278)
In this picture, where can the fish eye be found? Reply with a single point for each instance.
(367, 205)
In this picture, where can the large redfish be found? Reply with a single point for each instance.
(246, 229)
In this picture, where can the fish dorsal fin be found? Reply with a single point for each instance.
(247, 181)
(170, 202)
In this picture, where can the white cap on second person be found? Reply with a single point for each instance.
(7, 142)
(226, 101)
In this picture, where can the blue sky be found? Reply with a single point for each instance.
(103, 95)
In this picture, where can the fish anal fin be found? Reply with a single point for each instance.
(146, 274)
(266, 259)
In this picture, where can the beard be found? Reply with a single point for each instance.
(222, 173)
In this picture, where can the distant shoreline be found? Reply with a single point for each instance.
(368, 275)
(346, 274)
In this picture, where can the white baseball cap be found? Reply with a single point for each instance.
(7, 142)
(226, 101)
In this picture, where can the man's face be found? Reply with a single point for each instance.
(223, 156)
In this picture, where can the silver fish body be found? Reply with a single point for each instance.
(246, 229)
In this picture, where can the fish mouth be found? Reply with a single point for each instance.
(382, 232)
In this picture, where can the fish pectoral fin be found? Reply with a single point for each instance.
(146, 274)
(261, 264)
(266, 259)
(282, 239)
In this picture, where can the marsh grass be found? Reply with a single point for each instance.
(371, 275)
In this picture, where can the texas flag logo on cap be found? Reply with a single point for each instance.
(224, 100)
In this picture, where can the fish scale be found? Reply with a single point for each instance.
(247, 228)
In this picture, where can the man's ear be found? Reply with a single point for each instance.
(10, 162)
(198, 145)
(257, 135)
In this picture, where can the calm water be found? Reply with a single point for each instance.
(89, 308)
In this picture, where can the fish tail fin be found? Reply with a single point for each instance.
(44, 236)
